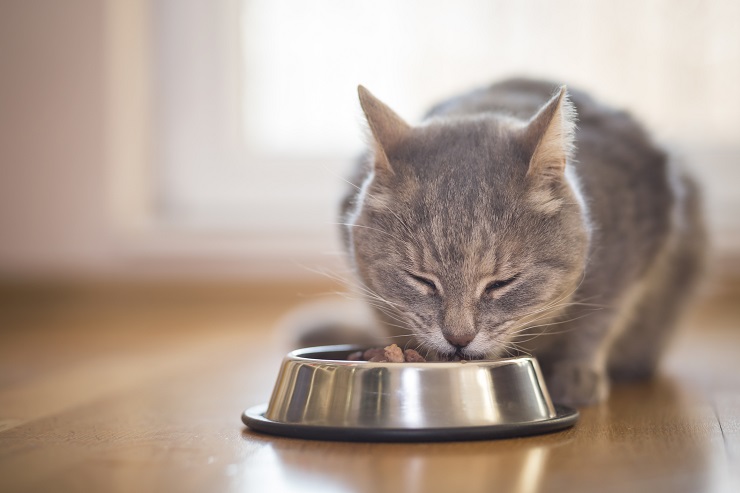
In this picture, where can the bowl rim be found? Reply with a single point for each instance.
(299, 355)
(255, 419)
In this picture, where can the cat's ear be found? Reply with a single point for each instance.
(553, 131)
(387, 127)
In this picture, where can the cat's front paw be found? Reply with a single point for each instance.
(577, 384)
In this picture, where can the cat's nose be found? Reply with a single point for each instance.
(459, 340)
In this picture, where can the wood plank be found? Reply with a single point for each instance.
(170, 420)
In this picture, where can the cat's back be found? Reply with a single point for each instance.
(623, 176)
(604, 135)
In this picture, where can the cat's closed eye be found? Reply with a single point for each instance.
(428, 285)
(498, 284)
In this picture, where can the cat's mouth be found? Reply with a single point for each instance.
(460, 356)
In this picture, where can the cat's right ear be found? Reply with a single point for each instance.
(553, 131)
(388, 129)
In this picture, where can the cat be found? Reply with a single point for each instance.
(497, 226)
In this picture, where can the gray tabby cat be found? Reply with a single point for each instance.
(496, 225)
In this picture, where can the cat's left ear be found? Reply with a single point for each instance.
(388, 129)
(553, 130)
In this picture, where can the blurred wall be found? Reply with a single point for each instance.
(77, 175)
(74, 136)
(51, 136)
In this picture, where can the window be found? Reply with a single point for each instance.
(256, 116)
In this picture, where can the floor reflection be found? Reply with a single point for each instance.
(508, 465)
(659, 435)
(267, 470)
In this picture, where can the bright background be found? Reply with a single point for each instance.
(207, 139)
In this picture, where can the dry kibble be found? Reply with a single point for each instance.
(356, 356)
(412, 356)
(394, 354)
(372, 353)
(388, 354)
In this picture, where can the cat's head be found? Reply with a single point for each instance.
(467, 226)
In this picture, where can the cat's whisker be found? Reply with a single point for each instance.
(404, 327)
(545, 331)
(351, 225)
(373, 294)
(549, 324)
(508, 345)
(337, 253)
(521, 350)
(424, 347)
(380, 299)
(559, 303)
(553, 313)
(401, 221)
(395, 337)
(507, 350)
(329, 275)
(384, 311)
(369, 293)
(376, 201)
(526, 326)
(381, 304)
(392, 316)
(523, 323)
(541, 314)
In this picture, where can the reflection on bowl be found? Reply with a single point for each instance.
(318, 389)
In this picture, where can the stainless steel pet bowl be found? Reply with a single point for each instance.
(319, 394)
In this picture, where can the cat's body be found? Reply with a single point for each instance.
(481, 229)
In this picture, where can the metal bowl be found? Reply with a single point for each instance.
(320, 394)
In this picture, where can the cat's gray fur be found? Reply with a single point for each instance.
(599, 229)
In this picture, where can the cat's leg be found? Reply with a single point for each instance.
(623, 340)
(636, 353)
(624, 336)
(573, 358)
(574, 353)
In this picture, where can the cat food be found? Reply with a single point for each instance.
(388, 354)
(413, 357)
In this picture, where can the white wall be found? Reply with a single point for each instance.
(52, 215)
(78, 190)
(76, 176)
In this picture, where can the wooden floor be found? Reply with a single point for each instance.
(122, 389)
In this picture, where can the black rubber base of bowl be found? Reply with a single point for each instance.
(254, 418)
